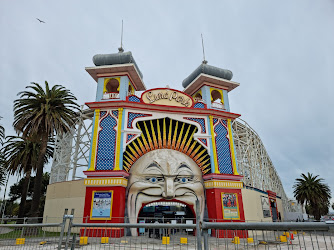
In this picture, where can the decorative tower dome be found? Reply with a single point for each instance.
(116, 59)
(117, 76)
(208, 70)
(210, 85)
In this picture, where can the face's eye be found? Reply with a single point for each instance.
(154, 179)
(183, 179)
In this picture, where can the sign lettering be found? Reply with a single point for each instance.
(168, 97)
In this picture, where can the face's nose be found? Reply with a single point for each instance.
(168, 192)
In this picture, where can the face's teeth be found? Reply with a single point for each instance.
(165, 203)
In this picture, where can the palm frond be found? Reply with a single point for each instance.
(51, 110)
(20, 154)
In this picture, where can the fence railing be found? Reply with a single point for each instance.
(269, 235)
(201, 235)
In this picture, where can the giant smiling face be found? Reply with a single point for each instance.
(164, 174)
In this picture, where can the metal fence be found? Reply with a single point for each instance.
(205, 235)
(268, 235)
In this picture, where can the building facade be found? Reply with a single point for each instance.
(164, 148)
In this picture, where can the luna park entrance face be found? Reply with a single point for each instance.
(164, 175)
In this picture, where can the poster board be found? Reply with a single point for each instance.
(265, 206)
(101, 207)
(230, 206)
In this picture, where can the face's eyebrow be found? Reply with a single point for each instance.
(154, 165)
(184, 167)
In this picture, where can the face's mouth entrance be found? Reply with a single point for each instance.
(165, 210)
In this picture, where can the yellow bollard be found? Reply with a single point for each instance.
(236, 240)
(283, 238)
(165, 240)
(295, 232)
(104, 240)
(184, 240)
(287, 234)
(83, 241)
(250, 240)
(20, 241)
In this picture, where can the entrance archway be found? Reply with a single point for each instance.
(166, 211)
(170, 212)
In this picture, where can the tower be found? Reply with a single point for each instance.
(209, 86)
(118, 77)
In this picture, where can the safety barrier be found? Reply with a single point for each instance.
(204, 235)
(268, 235)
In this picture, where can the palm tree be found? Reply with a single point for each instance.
(313, 192)
(21, 156)
(3, 173)
(2, 161)
(2, 133)
(44, 112)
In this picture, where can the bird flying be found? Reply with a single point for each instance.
(40, 20)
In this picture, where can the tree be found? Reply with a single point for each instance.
(314, 193)
(323, 208)
(2, 133)
(333, 206)
(21, 156)
(44, 113)
(16, 191)
(3, 173)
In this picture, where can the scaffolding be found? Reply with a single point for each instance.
(72, 149)
(254, 163)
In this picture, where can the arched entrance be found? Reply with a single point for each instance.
(170, 212)
(166, 211)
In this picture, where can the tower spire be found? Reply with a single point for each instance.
(120, 49)
(204, 61)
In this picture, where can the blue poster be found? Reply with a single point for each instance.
(102, 205)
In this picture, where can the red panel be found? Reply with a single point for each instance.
(118, 204)
(215, 211)
(214, 203)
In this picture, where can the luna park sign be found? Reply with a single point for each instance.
(169, 97)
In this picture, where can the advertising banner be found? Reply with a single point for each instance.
(101, 205)
(230, 206)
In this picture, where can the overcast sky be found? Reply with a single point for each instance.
(281, 53)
